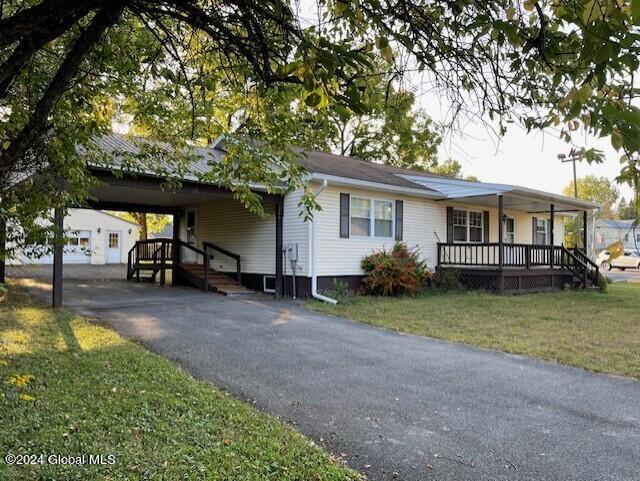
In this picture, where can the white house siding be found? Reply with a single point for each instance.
(424, 223)
(295, 230)
(341, 257)
(92, 220)
(228, 224)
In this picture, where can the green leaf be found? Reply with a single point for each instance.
(616, 139)
(635, 10)
(312, 100)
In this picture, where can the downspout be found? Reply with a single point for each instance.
(314, 259)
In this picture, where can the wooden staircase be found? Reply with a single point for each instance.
(148, 258)
(218, 282)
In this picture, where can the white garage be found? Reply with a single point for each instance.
(93, 237)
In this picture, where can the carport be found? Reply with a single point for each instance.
(147, 193)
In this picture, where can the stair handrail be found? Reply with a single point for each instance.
(208, 245)
(576, 260)
(595, 268)
(205, 261)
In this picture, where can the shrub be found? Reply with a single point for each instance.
(447, 279)
(340, 291)
(603, 283)
(395, 272)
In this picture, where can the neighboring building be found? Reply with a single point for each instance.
(93, 237)
(609, 231)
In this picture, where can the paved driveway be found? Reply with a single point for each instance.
(393, 406)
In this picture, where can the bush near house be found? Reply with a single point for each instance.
(395, 272)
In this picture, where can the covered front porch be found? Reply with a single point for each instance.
(497, 259)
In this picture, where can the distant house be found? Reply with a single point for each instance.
(609, 231)
(92, 237)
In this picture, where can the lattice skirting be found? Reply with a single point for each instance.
(515, 281)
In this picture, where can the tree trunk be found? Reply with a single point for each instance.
(67, 71)
(144, 229)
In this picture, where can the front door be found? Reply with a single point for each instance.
(113, 247)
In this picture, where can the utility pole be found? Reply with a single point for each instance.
(573, 157)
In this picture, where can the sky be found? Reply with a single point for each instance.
(525, 159)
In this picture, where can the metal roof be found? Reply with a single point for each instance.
(462, 189)
(353, 171)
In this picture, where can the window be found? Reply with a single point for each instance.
(541, 231)
(510, 230)
(638, 237)
(383, 218)
(114, 240)
(371, 218)
(360, 217)
(475, 226)
(468, 226)
(84, 241)
(191, 227)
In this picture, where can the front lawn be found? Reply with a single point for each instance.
(598, 332)
(69, 388)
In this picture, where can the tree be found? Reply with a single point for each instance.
(626, 210)
(149, 223)
(451, 168)
(68, 68)
(596, 189)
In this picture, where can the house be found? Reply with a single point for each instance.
(92, 237)
(500, 237)
(609, 231)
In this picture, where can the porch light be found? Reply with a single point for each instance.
(99, 230)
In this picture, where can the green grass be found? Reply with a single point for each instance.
(71, 387)
(598, 332)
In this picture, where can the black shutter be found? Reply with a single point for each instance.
(449, 224)
(534, 230)
(344, 215)
(399, 219)
(486, 226)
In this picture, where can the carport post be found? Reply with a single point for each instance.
(58, 226)
(3, 245)
(175, 250)
(279, 213)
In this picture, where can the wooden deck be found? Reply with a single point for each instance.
(517, 268)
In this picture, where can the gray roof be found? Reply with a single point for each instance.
(326, 164)
(614, 223)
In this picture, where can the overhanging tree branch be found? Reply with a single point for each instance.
(104, 19)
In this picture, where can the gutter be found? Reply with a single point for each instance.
(314, 260)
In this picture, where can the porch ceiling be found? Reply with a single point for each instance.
(146, 193)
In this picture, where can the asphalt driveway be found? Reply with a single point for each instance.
(394, 406)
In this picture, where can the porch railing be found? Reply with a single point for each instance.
(150, 254)
(488, 254)
(526, 256)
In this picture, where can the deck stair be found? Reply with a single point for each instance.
(148, 258)
(218, 282)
